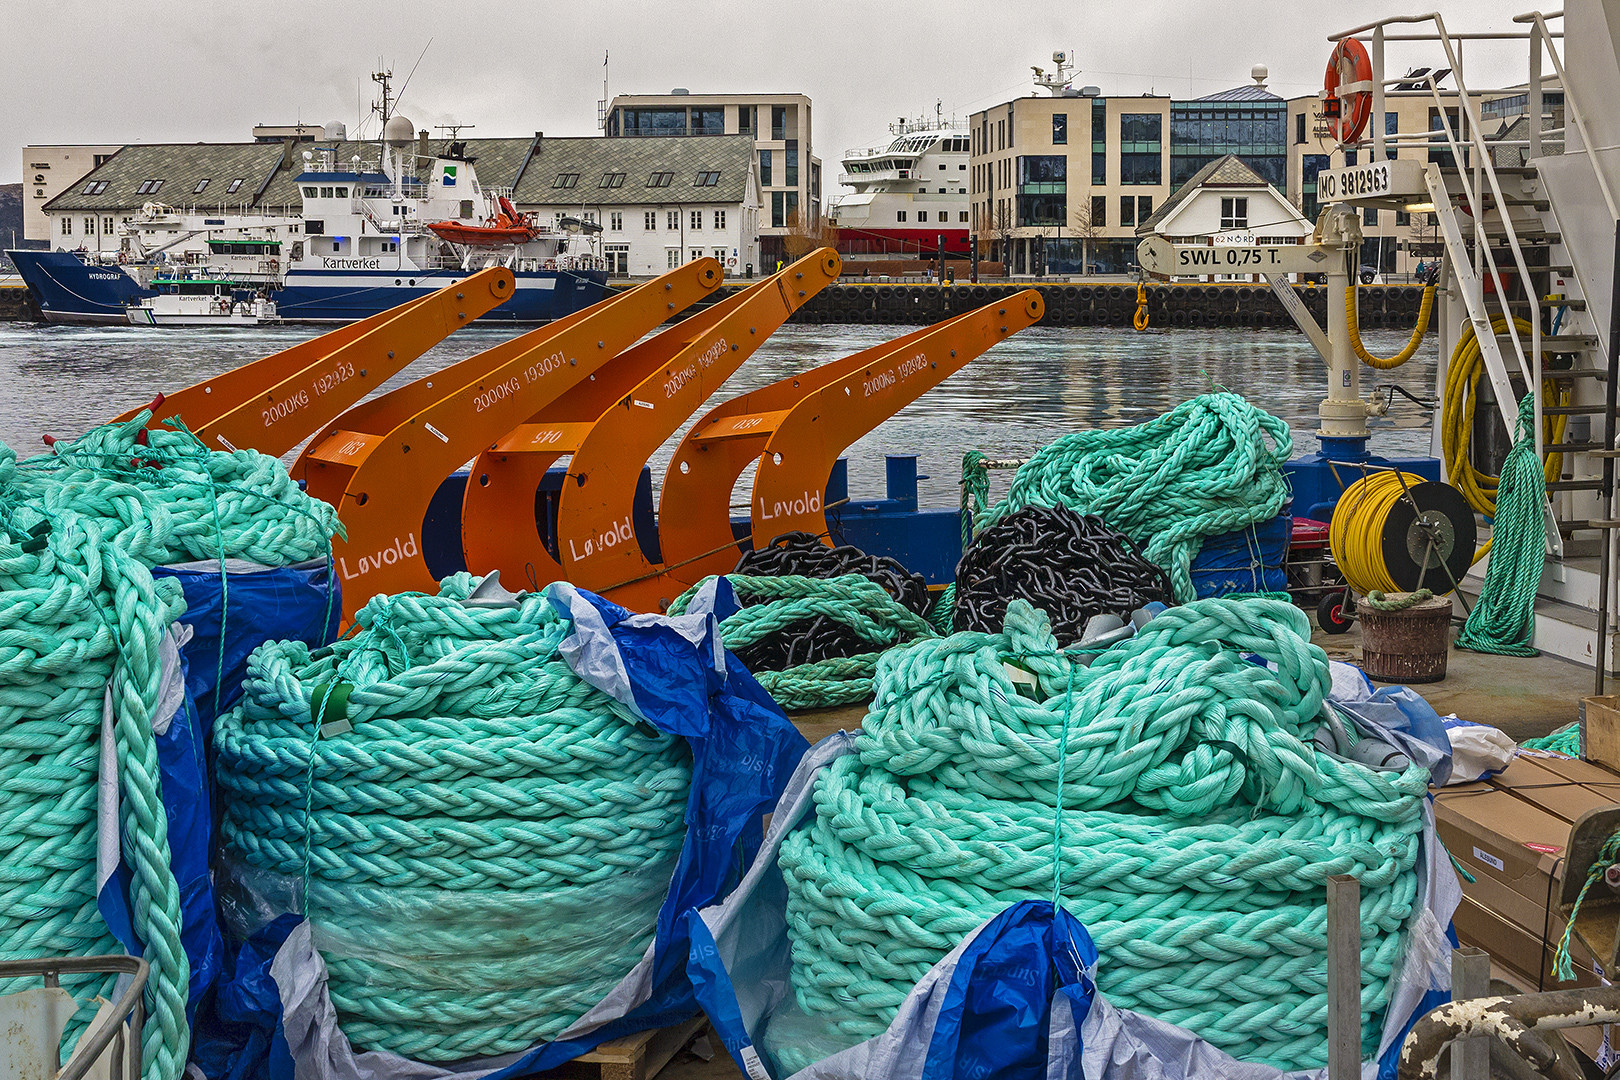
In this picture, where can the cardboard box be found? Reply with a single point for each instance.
(1567, 794)
(1503, 840)
(1524, 954)
(1586, 773)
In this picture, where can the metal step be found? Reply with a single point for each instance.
(1527, 238)
(1593, 484)
(1570, 447)
(1573, 410)
(1548, 305)
(1499, 170)
(1558, 343)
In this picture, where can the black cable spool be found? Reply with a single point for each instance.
(1070, 566)
(1440, 527)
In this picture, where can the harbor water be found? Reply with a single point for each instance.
(1036, 386)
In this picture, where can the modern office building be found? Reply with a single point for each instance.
(789, 172)
(1060, 183)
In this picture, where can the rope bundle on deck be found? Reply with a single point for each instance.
(1197, 826)
(1069, 566)
(812, 643)
(481, 840)
(81, 617)
(1211, 465)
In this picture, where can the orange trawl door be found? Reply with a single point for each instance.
(382, 488)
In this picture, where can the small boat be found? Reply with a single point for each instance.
(203, 301)
(506, 227)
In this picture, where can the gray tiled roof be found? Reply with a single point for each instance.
(504, 162)
(1228, 171)
(732, 156)
(181, 166)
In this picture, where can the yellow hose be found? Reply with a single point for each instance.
(1385, 363)
(1457, 419)
(1356, 533)
(1140, 319)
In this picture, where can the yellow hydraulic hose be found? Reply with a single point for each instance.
(1356, 533)
(1140, 319)
(1457, 420)
(1385, 363)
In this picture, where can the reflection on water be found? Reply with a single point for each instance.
(1025, 392)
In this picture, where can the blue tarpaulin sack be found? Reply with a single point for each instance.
(672, 673)
(1246, 560)
(202, 672)
(1015, 998)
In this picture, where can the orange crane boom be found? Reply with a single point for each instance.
(381, 473)
(273, 404)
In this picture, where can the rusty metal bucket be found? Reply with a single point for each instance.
(1408, 646)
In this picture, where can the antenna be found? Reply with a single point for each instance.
(385, 107)
(601, 106)
(451, 131)
(408, 74)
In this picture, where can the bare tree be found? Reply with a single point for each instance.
(805, 235)
(998, 224)
(1087, 230)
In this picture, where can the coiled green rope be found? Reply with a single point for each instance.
(1504, 618)
(1198, 823)
(771, 604)
(1211, 465)
(481, 839)
(82, 616)
(1565, 740)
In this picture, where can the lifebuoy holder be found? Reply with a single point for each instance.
(1347, 91)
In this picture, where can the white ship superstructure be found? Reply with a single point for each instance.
(911, 192)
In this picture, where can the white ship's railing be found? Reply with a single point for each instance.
(1541, 37)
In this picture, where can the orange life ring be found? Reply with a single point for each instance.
(1349, 64)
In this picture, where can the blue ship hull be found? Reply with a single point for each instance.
(70, 291)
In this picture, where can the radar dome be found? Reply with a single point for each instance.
(1259, 73)
(399, 131)
(334, 129)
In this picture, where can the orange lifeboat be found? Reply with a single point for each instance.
(506, 227)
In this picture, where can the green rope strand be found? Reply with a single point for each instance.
(1504, 618)
(1608, 855)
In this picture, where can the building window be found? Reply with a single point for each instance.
(709, 121)
(1235, 213)
(1256, 131)
(697, 253)
(765, 168)
(1099, 141)
(1144, 208)
(745, 119)
(326, 193)
(697, 220)
(778, 121)
(616, 221)
(790, 167)
(67, 226)
(962, 216)
(1369, 216)
(673, 258)
(1392, 126)
(1060, 129)
(1127, 210)
(660, 179)
(672, 219)
(922, 215)
(234, 185)
(612, 180)
(106, 226)
(899, 215)
(719, 220)
(1099, 212)
(1310, 166)
(149, 187)
(1402, 219)
(661, 121)
(566, 180)
(198, 190)
(88, 189)
(1299, 128)
(706, 179)
(649, 220)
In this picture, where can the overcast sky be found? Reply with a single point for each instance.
(166, 71)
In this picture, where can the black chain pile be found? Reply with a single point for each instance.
(1071, 567)
(803, 555)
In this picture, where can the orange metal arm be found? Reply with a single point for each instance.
(273, 404)
(382, 483)
(694, 522)
(800, 454)
(611, 426)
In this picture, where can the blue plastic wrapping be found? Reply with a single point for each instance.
(1246, 560)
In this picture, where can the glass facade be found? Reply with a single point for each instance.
(1256, 131)
(1141, 151)
(709, 121)
(1310, 165)
(790, 166)
(1099, 141)
(661, 121)
(1043, 190)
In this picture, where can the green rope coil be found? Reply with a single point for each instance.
(1377, 601)
(1504, 619)
(81, 616)
(773, 604)
(1565, 740)
(480, 839)
(1211, 465)
(1171, 789)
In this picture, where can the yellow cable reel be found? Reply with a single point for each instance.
(1396, 532)
(1140, 319)
(1380, 362)
(1457, 421)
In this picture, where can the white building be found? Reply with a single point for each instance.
(48, 171)
(789, 174)
(660, 201)
(1227, 202)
